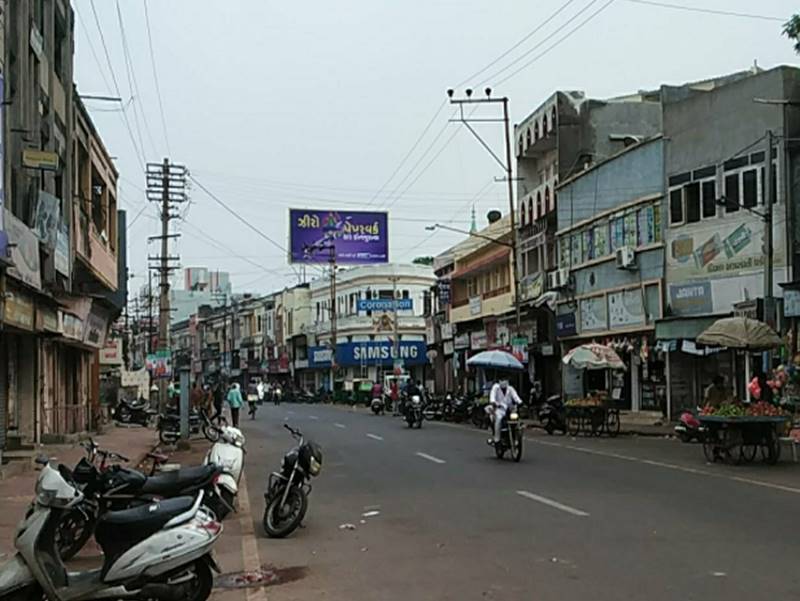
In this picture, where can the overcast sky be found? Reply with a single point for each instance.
(278, 104)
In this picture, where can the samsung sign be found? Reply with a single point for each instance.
(385, 304)
(354, 354)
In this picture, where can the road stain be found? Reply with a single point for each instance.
(264, 576)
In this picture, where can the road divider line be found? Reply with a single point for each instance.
(430, 457)
(552, 503)
(338, 425)
(374, 437)
(314, 417)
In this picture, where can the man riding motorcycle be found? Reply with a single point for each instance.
(502, 398)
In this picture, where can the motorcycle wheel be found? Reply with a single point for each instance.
(73, 530)
(210, 432)
(685, 436)
(200, 587)
(124, 414)
(500, 450)
(280, 521)
(549, 427)
(516, 452)
(168, 436)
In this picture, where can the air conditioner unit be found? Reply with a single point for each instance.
(557, 279)
(626, 257)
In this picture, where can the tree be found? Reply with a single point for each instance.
(428, 261)
(791, 29)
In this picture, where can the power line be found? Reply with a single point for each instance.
(540, 43)
(155, 76)
(559, 41)
(410, 151)
(139, 154)
(240, 218)
(134, 85)
(527, 36)
(94, 53)
(709, 11)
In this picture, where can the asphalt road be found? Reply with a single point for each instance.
(595, 519)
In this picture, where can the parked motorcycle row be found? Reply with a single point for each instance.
(156, 529)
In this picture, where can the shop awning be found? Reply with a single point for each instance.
(683, 328)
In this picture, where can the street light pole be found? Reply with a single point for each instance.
(507, 167)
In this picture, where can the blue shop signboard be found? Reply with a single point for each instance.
(565, 325)
(385, 304)
(354, 354)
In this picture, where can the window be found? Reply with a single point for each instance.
(657, 222)
(630, 228)
(676, 206)
(576, 248)
(563, 252)
(749, 188)
(646, 230)
(691, 195)
(617, 232)
(732, 193)
(709, 192)
(588, 245)
(472, 287)
(601, 239)
(773, 191)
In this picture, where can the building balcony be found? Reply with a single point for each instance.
(491, 303)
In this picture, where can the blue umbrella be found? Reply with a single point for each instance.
(495, 360)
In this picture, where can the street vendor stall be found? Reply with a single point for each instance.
(594, 414)
(734, 432)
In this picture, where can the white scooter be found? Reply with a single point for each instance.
(228, 454)
(158, 551)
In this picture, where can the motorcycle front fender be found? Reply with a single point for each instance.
(14, 575)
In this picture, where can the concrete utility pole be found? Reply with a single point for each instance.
(769, 302)
(332, 263)
(396, 342)
(166, 184)
(507, 167)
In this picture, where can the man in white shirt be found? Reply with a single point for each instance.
(502, 398)
(260, 387)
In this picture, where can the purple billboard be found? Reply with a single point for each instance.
(355, 237)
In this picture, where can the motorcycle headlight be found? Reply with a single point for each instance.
(514, 416)
(314, 466)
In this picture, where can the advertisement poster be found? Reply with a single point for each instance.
(24, 251)
(159, 364)
(48, 217)
(625, 308)
(62, 250)
(355, 237)
(593, 314)
(2, 160)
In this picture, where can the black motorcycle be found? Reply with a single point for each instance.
(169, 426)
(287, 492)
(511, 436)
(133, 411)
(114, 487)
(414, 411)
(553, 415)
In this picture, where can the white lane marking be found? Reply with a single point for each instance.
(551, 503)
(313, 417)
(338, 425)
(430, 457)
(290, 412)
(375, 437)
(250, 555)
(671, 466)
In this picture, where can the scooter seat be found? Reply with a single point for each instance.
(118, 531)
(182, 481)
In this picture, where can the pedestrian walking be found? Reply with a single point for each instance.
(235, 402)
(197, 396)
(394, 393)
(261, 390)
(217, 398)
(252, 398)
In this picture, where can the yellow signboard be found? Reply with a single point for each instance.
(40, 159)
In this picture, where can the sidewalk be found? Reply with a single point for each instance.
(17, 491)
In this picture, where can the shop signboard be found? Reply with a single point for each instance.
(70, 326)
(752, 309)
(447, 347)
(625, 308)
(461, 341)
(566, 325)
(443, 286)
(353, 237)
(111, 353)
(547, 350)
(46, 319)
(478, 341)
(24, 251)
(475, 305)
(385, 304)
(39, 159)
(692, 298)
(139, 379)
(446, 331)
(19, 309)
(531, 286)
(519, 348)
(159, 364)
(791, 303)
(382, 353)
(48, 217)
(319, 356)
(96, 327)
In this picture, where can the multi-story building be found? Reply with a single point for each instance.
(61, 233)
(716, 180)
(610, 272)
(365, 340)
